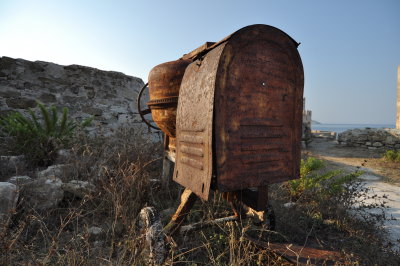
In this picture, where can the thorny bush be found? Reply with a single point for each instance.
(39, 138)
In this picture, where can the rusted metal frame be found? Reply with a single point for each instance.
(203, 49)
(299, 255)
(188, 199)
(194, 125)
(247, 212)
(256, 198)
(142, 113)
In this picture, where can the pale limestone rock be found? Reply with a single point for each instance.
(12, 164)
(78, 188)
(44, 193)
(20, 180)
(8, 200)
(58, 170)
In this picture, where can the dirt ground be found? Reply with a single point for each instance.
(353, 158)
(382, 177)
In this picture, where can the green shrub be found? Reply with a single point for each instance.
(322, 184)
(392, 156)
(40, 138)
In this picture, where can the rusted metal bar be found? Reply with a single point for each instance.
(300, 255)
(188, 198)
(241, 211)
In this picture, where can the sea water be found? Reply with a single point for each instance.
(338, 128)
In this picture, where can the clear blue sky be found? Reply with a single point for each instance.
(350, 49)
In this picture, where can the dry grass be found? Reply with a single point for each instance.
(122, 168)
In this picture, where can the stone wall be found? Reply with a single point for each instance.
(371, 138)
(307, 119)
(108, 96)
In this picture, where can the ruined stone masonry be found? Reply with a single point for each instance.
(398, 98)
(108, 96)
(306, 130)
(371, 138)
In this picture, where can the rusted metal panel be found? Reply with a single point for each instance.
(258, 109)
(193, 165)
(301, 255)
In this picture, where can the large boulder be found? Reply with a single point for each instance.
(8, 200)
(44, 193)
(58, 170)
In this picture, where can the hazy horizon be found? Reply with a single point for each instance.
(350, 49)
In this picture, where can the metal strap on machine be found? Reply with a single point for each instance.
(159, 103)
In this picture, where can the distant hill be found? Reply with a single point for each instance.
(315, 122)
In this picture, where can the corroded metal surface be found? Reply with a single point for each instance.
(300, 255)
(164, 83)
(188, 198)
(258, 109)
(256, 75)
(193, 165)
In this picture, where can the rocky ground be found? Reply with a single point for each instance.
(383, 178)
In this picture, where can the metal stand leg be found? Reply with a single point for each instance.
(188, 198)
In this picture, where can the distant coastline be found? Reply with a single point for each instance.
(338, 128)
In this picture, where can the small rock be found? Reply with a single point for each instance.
(329, 222)
(20, 180)
(12, 164)
(289, 204)
(369, 177)
(78, 188)
(44, 193)
(62, 156)
(8, 199)
(59, 171)
(95, 233)
(390, 140)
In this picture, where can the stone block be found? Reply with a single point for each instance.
(44, 193)
(74, 100)
(390, 140)
(9, 94)
(123, 118)
(12, 164)
(58, 171)
(92, 111)
(47, 98)
(78, 188)
(8, 200)
(90, 92)
(377, 144)
(20, 103)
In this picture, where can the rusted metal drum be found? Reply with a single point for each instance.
(164, 83)
(239, 114)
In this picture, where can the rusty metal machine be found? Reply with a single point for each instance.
(231, 112)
